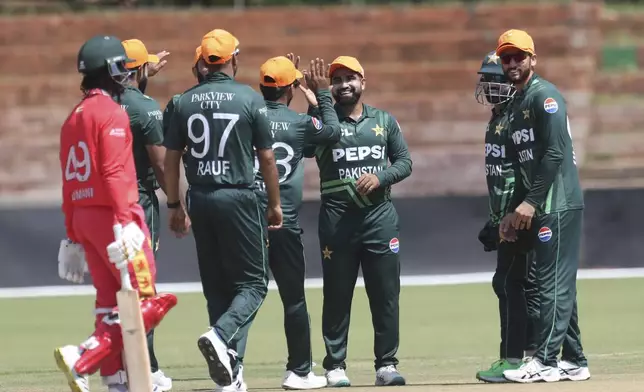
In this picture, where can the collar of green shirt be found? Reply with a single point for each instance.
(275, 105)
(529, 83)
(133, 88)
(218, 77)
(367, 111)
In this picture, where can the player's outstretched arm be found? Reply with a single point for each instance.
(398, 154)
(263, 142)
(328, 131)
(551, 130)
(175, 142)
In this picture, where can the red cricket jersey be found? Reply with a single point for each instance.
(96, 159)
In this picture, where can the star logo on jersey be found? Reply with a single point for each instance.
(498, 130)
(141, 266)
(526, 114)
(378, 130)
(326, 253)
(493, 58)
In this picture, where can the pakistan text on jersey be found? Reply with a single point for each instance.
(213, 168)
(525, 155)
(357, 172)
(83, 193)
(493, 170)
(211, 99)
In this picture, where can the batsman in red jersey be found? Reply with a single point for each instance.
(99, 191)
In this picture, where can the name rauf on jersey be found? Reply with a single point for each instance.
(213, 168)
(358, 154)
(211, 99)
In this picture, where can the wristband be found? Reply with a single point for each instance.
(176, 204)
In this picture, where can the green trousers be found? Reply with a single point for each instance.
(150, 203)
(350, 239)
(557, 251)
(515, 285)
(288, 265)
(229, 229)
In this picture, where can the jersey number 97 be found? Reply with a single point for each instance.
(199, 152)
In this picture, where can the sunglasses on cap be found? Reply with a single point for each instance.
(517, 57)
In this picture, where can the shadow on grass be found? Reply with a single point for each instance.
(421, 384)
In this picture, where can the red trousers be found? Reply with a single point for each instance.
(93, 227)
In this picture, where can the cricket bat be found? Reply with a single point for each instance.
(135, 344)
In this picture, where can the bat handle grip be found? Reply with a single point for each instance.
(125, 274)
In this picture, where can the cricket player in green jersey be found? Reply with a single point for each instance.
(199, 71)
(550, 205)
(358, 224)
(220, 121)
(513, 280)
(279, 77)
(147, 132)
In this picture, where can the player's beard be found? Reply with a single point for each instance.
(347, 100)
(517, 75)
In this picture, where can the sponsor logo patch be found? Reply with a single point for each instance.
(550, 105)
(544, 234)
(118, 132)
(394, 245)
(316, 123)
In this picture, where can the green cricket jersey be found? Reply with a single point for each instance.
(146, 123)
(219, 121)
(167, 114)
(540, 132)
(291, 132)
(499, 168)
(367, 145)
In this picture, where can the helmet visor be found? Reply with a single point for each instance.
(493, 90)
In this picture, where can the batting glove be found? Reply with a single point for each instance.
(118, 254)
(71, 261)
(133, 238)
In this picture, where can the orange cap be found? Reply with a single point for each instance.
(197, 55)
(346, 62)
(218, 43)
(515, 39)
(281, 70)
(136, 50)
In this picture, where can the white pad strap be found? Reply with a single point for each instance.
(119, 377)
(98, 311)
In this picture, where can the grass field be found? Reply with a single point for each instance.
(447, 334)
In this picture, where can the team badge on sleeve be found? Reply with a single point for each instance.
(394, 245)
(316, 123)
(544, 234)
(550, 105)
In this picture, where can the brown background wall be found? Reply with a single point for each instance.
(420, 65)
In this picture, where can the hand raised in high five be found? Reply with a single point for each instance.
(308, 94)
(317, 76)
(294, 59)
